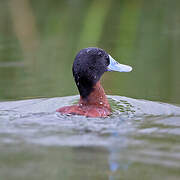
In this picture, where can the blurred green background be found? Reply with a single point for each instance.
(39, 40)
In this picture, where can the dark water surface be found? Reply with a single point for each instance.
(38, 42)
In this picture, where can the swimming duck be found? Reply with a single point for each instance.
(88, 67)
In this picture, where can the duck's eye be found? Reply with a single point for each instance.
(107, 59)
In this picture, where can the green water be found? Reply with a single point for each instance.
(38, 43)
(39, 40)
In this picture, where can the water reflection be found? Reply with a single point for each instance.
(117, 146)
(38, 42)
(45, 36)
(24, 26)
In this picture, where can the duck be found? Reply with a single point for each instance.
(88, 67)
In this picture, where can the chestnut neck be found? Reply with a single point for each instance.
(97, 97)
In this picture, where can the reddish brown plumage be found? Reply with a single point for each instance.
(95, 105)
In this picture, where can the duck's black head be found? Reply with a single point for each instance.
(88, 67)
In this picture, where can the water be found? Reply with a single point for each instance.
(134, 142)
(38, 42)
